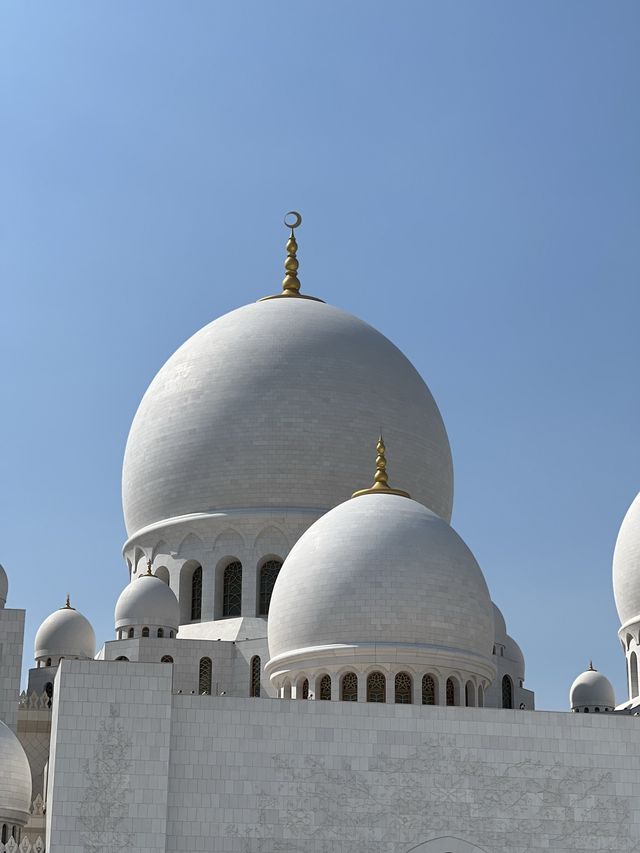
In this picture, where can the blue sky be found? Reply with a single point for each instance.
(469, 179)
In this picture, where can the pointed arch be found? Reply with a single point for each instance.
(507, 692)
(160, 549)
(191, 547)
(446, 844)
(270, 540)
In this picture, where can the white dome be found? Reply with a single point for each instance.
(626, 565)
(500, 626)
(381, 569)
(592, 689)
(276, 405)
(147, 601)
(15, 778)
(65, 633)
(4, 587)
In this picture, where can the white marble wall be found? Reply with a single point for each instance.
(11, 640)
(247, 776)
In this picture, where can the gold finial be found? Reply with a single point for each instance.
(67, 604)
(291, 282)
(591, 667)
(148, 568)
(381, 480)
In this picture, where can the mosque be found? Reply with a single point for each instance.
(306, 657)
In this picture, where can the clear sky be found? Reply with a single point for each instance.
(469, 178)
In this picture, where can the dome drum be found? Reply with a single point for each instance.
(335, 659)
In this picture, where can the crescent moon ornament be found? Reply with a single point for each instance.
(297, 219)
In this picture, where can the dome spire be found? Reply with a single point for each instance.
(67, 604)
(381, 479)
(291, 282)
(149, 567)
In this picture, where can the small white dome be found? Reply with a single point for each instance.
(4, 587)
(65, 633)
(147, 600)
(592, 689)
(382, 569)
(275, 405)
(626, 565)
(15, 778)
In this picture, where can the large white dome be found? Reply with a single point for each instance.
(147, 601)
(276, 405)
(65, 633)
(15, 778)
(626, 565)
(382, 569)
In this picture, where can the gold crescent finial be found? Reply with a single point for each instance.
(68, 602)
(381, 479)
(291, 282)
(591, 667)
(148, 568)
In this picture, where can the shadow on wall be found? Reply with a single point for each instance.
(446, 845)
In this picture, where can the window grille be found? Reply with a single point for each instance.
(325, 687)
(428, 690)
(254, 689)
(160, 633)
(204, 679)
(451, 692)
(131, 632)
(196, 594)
(305, 689)
(145, 632)
(376, 687)
(350, 687)
(166, 659)
(232, 590)
(404, 687)
(268, 576)
(507, 692)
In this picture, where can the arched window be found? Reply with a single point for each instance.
(507, 692)
(122, 657)
(349, 687)
(48, 689)
(48, 661)
(254, 688)
(468, 695)
(268, 576)
(633, 666)
(204, 678)
(376, 687)
(171, 635)
(145, 632)
(404, 689)
(166, 659)
(428, 690)
(196, 594)
(4, 835)
(305, 689)
(232, 589)
(325, 687)
(451, 692)
(160, 633)
(131, 633)
(480, 696)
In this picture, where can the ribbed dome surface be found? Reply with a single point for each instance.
(65, 633)
(15, 775)
(276, 405)
(147, 600)
(592, 689)
(626, 565)
(381, 569)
